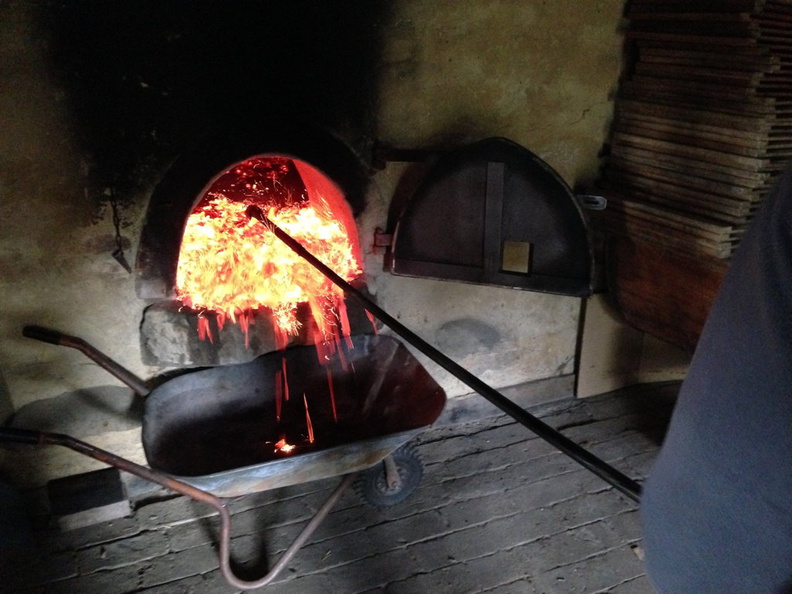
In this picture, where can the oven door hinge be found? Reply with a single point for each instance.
(382, 241)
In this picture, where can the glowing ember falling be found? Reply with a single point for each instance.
(285, 380)
(373, 321)
(278, 395)
(308, 421)
(332, 394)
(204, 330)
(283, 446)
(232, 266)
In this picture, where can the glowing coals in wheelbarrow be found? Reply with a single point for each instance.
(231, 265)
(283, 446)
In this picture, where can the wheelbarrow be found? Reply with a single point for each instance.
(218, 433)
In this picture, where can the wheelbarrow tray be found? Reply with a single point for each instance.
(216, 428)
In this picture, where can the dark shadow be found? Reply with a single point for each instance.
(646, 407)
(144, 80)
(651, 405)
(19, 554)
(83, 412)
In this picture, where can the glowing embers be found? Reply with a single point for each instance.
(283, 446)
(231, 265)
(296, 430)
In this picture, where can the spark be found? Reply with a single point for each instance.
(308, 421)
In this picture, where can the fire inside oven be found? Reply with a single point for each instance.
(232, 270)
(231, 267)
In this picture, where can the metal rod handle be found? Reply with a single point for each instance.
(73, 342)
(602, 469)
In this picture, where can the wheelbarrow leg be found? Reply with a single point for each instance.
(28, 437)
(295, 546)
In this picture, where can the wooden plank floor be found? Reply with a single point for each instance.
(498, 510)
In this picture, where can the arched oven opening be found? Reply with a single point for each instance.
(288, 366)
(223, 289)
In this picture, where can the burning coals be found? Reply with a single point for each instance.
(231, 265)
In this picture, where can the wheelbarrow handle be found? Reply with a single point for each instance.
(45, 334)
(51, 336)
(14, 435)
(30, 437)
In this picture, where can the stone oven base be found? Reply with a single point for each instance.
(169, 336)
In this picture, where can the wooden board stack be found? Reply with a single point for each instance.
(703, 121)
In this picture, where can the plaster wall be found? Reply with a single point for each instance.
(445, 73)
(539, 73)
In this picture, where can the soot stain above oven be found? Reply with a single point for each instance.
(143, 81)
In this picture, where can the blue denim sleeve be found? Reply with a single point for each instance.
(717, 506)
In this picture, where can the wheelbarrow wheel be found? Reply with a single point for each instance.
(374, 487)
